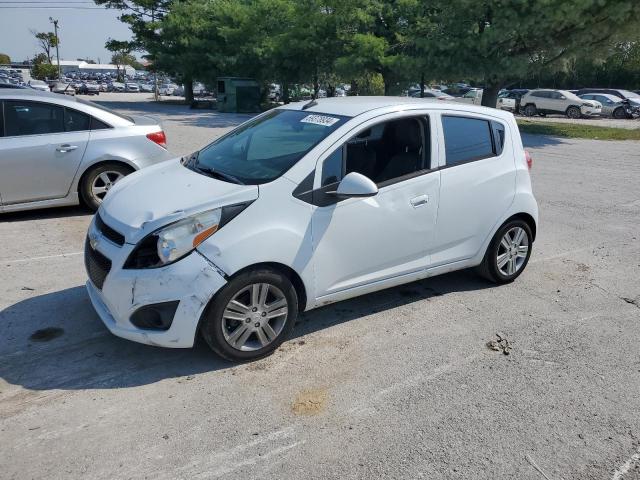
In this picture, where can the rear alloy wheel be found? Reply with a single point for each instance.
(98, 181)
(508, 253)
(530, 110)
(251, 316)
(574, 113)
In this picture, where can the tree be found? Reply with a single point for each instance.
(42, 69)
(498, 42)
(47, 41)
(121, 54)
(4, 58)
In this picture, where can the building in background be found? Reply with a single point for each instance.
(79, 66)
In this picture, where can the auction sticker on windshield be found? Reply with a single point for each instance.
(320, 120)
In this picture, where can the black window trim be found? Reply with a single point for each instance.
(480, 157)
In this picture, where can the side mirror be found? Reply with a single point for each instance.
(355, 184)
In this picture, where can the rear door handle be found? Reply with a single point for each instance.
(66, 148)
(419, 201)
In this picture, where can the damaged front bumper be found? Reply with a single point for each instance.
(191, 282)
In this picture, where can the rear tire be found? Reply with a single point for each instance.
(530, 110)
(506, 258)
(96, 182)
(243, 324)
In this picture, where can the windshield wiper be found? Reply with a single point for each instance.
(218, 174)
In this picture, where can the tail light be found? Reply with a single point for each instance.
(528, 159)
(158, 137)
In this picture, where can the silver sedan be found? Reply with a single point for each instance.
(58, 150)
(612, 106)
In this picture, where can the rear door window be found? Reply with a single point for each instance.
(466, 139)
(32, 118)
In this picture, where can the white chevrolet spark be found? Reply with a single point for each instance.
(306, 205)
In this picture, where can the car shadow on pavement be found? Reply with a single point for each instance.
(537, 141)
(46, 213)
(57, 341)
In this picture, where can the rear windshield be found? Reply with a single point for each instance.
(266, 147)
(105, 109)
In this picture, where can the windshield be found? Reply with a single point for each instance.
(266, 147)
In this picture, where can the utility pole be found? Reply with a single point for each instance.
(155, 72)
(55, 27)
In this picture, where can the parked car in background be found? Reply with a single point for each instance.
(472, 97)
(146, 87)
(11, 85)
(39, 85)
(63, 88)
(165, 268)
(166, 89)
(118, 87)
(510, 99)
(612, 106)
(544, 101)
(131, 87)
(429, 93)
(633, 98)
(56, 149)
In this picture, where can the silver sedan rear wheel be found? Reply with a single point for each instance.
(254, 317)
(512, 251)
(103, 182)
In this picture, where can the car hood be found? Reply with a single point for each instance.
(164, 193)
(635, 101)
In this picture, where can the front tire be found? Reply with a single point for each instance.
(619, 113)
(96, 182)
(251, 316)
(574, 113)
(508, 253)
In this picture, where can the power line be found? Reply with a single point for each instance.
(31, 7)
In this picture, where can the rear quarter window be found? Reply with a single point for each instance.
(467, 139)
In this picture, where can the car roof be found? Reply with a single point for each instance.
(354, 106)
(65, 101)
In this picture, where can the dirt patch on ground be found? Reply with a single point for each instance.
(310, 402)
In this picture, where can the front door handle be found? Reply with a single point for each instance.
(66, 148)
(419, 201)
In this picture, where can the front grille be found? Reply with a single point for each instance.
(97, 265)
(108, 232)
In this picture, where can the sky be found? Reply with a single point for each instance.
(83, 28)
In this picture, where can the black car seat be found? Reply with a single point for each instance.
(407, 148)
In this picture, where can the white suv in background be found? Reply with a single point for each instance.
(305, 205)
(541, 102)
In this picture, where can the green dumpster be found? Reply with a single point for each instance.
(238, 95)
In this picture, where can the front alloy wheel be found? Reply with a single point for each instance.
(254, 317)
(251, 315)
